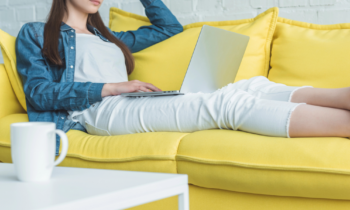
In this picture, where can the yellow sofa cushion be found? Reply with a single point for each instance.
(244, 162)
(8, 100)
(120, 20)
(7, 44)
(154, 152)
(310, 54)
(165, 63)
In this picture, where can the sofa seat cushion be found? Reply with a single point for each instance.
(153, 152)
(245, 162)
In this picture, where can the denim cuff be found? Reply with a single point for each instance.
(145, 3)
(95, 92)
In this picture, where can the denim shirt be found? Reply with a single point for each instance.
(50, 90)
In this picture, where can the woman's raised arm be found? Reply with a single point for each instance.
(164, 25)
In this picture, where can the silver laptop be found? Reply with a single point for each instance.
(214, 63)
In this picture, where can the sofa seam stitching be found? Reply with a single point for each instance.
(262, 166)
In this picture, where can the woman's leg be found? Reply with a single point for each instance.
(335, 98)
(325, 113)
(227, 108)
(118, 115)
(316, 121)
(262, 87)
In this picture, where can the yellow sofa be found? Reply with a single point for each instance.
(231, 169)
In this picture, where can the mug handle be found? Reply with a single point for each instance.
(64, 151)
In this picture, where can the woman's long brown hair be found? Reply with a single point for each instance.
(52, 34)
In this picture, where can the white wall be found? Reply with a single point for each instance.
(14, 13)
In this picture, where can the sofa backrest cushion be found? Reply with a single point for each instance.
(165, 63)
(310, 54)
(7, 44)
(8, 100)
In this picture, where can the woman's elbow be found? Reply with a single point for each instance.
(34, 100)
(179, 29)
(36, 105)
(176, 29)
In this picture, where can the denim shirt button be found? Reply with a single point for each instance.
(62, 118)
(72, 30)
(71, 66)
(72, 47)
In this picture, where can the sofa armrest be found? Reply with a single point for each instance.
(9, 103)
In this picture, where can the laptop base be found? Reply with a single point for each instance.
(156, 93)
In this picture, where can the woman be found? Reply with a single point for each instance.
(74, 70)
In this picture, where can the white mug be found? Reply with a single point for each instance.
(33, 150)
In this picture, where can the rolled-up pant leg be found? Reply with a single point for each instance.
(270, 116)
(245, 105)
(263, 88)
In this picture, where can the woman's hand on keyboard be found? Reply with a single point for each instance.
(113, 89)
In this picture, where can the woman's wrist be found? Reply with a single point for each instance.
(105, 90)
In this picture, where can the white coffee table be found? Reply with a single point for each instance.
(82, 188)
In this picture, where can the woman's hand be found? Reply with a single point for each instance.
(113, 89)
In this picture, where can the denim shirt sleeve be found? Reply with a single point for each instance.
(41, 91)
(164, 25)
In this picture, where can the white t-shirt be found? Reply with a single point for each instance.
(97, 61)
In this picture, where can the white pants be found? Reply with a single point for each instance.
(256, 105)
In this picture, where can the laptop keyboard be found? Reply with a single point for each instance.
(171, 91)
